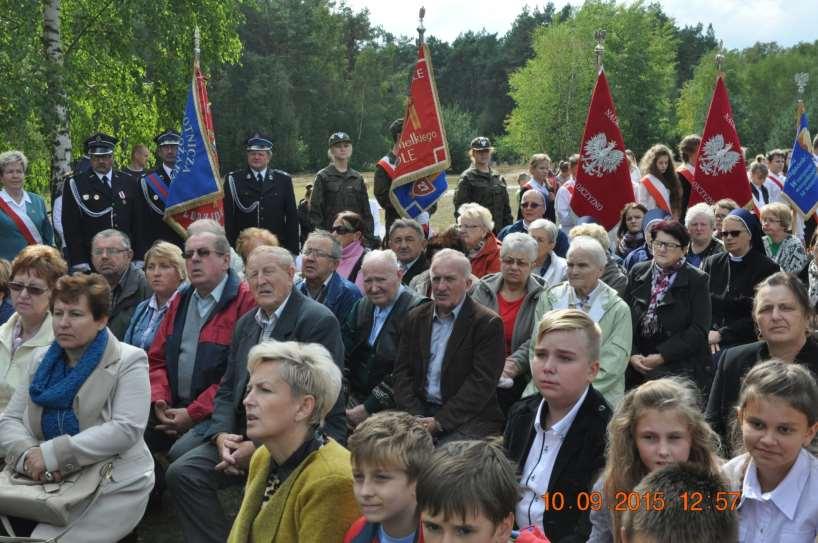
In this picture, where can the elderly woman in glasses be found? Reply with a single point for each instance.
(349, 229)
(34, 273)
(83, 401)
(670, 312)
(476, 228)
(513, 294)
(23, 216)
(700, 221)
(549, 265)
(779, 244)
(734, 275)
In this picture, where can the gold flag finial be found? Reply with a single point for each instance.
(421, 29)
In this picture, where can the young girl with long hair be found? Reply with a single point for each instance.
(660, 186)
(629, 233)
(777, 476)
(657, 423)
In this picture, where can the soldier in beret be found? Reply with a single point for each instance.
(261, 196)
(339, 188)
(152, 192)
(482, 185)
(96, 200)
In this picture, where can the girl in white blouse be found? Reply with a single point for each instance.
(777, 476)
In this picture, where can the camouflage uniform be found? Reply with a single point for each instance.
(487, 189)
(335, 191)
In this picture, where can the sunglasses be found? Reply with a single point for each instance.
(533, 205)
(341, 230)
(32, 289)
(202, 252)
(731, 233)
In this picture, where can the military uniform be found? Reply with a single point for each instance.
(334, 191)
(384, 172)
(90, 205)
(269, 204)
(487, 189)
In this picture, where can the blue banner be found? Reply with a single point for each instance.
(415, 202)
(801, 186)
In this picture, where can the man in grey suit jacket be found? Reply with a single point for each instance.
(284, 314)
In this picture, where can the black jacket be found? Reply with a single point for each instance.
(578, 464)
(149, 215)
(734, 364)
(270, 205)
(732, 287)
(418, 266)
(369, 369)
(302, 320)
(91, 206)
(684, 315)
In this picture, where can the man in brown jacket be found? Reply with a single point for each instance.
(450, 357)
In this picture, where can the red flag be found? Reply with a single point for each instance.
(423, 154)
(603, 184)
(720, 169)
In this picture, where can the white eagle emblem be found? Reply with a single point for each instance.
(718, 157)
(600, 156)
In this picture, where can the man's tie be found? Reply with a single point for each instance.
(259, 178)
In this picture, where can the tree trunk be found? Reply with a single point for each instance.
(55, 112)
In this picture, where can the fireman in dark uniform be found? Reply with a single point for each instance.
(151, 194)
(384, 172)
(96, 200)
(261, 196)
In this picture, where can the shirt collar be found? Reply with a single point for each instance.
(261, 316)
(562, 426)
(262, 172)
(7, 197)
(168, 170)
(153, 304)
(455, 312)
(786, 495)
(108, 174)
(216, 293)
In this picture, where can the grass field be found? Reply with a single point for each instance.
(445, 209)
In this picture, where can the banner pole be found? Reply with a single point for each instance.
(801, 80)
(720, 61)
(421, 29)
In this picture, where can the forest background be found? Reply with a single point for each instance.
(302, 69)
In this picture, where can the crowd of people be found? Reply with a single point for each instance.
(537, 379)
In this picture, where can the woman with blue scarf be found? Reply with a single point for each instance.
(85, 400)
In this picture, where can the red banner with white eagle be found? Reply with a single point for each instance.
(720, 169)
(603, 184)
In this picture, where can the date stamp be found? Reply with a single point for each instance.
(694, 501)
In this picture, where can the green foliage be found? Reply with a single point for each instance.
(460, 130)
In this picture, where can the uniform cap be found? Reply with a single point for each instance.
(168, 137)
(480, 143)
(396, 128)
(339, 137)
(100, 144)
(258, 142)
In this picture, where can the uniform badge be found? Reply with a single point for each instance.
(96, 196)
(155, 197)
(122, 195)
(85, 197)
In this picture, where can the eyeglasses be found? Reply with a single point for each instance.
(317, 253)
(731, 233)
(108, 251)
(468, 226)
(341, 230)
(533, 205)
(201, 251)
(521, 263)
(665, 245)
(33, 290)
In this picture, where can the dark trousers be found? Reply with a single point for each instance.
(194, 486)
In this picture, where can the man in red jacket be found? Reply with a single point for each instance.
(189, 353)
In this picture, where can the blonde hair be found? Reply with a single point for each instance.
(779, 211)
(254, 234)
(624, 468)
(567, 320)
(307, 368)
(472, 210)
(595, 231)
(162, 250)
(392, 439)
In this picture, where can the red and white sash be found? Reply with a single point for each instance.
(779, 181)
(23, 223)
(388, 166)
(687, 171)
(657, 191)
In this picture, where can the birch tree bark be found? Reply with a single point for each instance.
(55, 114)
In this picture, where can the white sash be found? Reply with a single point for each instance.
(660, 188)
(24, 218)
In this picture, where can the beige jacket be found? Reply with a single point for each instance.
(13, 368)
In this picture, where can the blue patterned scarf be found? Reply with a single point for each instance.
(56, 383)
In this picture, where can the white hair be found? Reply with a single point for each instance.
(520, 242)
(700, 209)
(471, 210)
(547, 226)
(590, 246)
(459, 258)
(385, 255)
